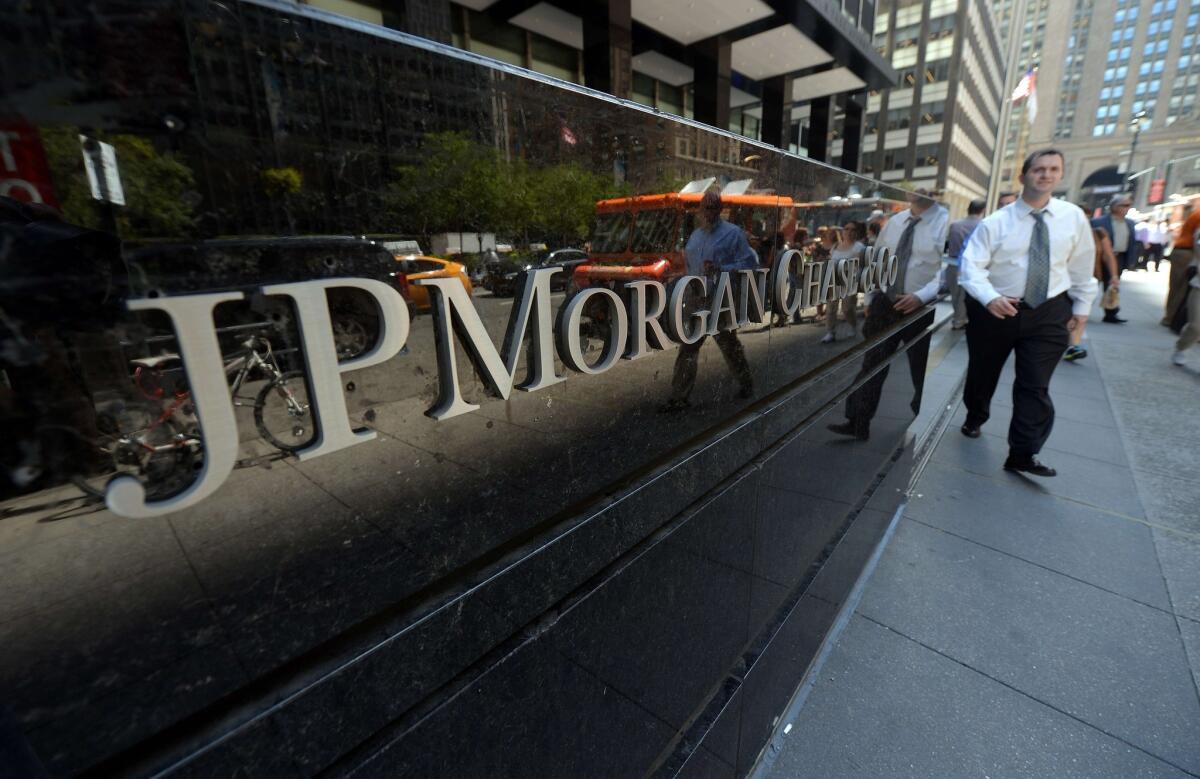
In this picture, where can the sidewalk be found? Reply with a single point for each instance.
(1022, 627)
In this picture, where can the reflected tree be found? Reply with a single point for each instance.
(461, 185)
(158, 186)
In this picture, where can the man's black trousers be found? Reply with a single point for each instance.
(864, 401)
(1039, 337)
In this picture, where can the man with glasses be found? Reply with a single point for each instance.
(1028, 273)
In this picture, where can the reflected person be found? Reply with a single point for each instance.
(58, 303)
(714, 247)
(916, 236)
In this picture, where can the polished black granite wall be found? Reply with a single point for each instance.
(568, 580)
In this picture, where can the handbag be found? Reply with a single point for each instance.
(1112, 298)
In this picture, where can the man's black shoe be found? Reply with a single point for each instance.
(1114, 320)
(848, 428)
(1030, 466)
(971, 431)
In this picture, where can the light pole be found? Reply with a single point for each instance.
(1136, 124)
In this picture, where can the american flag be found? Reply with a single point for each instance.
(1025, 87)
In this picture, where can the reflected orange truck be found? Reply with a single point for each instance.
(643, 237)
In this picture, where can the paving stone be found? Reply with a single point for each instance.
(1170, 501)
(1089, 481)
(1113, 663)
(1190, 630)
(1111, 552)
(1081, 438)
(1179, 556)
(886, 706)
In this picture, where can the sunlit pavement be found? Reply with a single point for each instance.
(1022, 627)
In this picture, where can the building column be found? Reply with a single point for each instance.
(852, 132)
(820, 110)
(777, 111)
(711, 64)
(608, 46)
(426, 18)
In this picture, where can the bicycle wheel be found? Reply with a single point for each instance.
(283, 413)
(163, 473)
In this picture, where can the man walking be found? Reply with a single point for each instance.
(1028, 273)
(1122, 231)
(1182, 255)
(960, 233)
(715, 246)
(916, 237)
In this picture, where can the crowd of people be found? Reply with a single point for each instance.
(1022, 281)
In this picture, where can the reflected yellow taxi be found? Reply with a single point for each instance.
(417, 267)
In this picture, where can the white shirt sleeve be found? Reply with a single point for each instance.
(940, 231)
(976, 255)
(928, 292)
(1080, 266)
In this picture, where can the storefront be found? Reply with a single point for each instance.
(266, 509)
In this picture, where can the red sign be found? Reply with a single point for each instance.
(1157, 190)
(24, 174)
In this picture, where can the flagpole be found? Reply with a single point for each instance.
(1023, 136)
(1011, 76)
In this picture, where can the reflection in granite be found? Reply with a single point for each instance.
(574, 549)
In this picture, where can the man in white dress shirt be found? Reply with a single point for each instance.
(1027, 271)
(917, 237)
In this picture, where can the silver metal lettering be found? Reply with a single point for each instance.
(676, 319)
(570, 319)
(785, 296)
(645, 327)
(829, 291)
(192, 318)
(321, 360)
(723, 313)
(848, 276)
(752, 296)
(452, 306)
(810, 286)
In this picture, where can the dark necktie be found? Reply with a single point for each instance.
(903, 253)
(1037, 279)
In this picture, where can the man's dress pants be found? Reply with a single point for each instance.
(1039, 337)
(864, 401)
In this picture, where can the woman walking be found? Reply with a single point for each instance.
(849, 246)
(1105, 267)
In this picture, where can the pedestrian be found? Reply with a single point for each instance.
(1160, 234)
(960, 232)
(1141, 234)
(1028, 274)
(1005, 199)
(1182, 254)
(916, 237)
(822, 251)
(1105, 261)
(1121, 232)
(849, 247)
(1191, 330)
(715, 246)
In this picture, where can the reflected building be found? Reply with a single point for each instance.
(788, 72)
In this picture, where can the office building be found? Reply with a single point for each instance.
(792, 73)
(1117, 88)
(936, 128)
